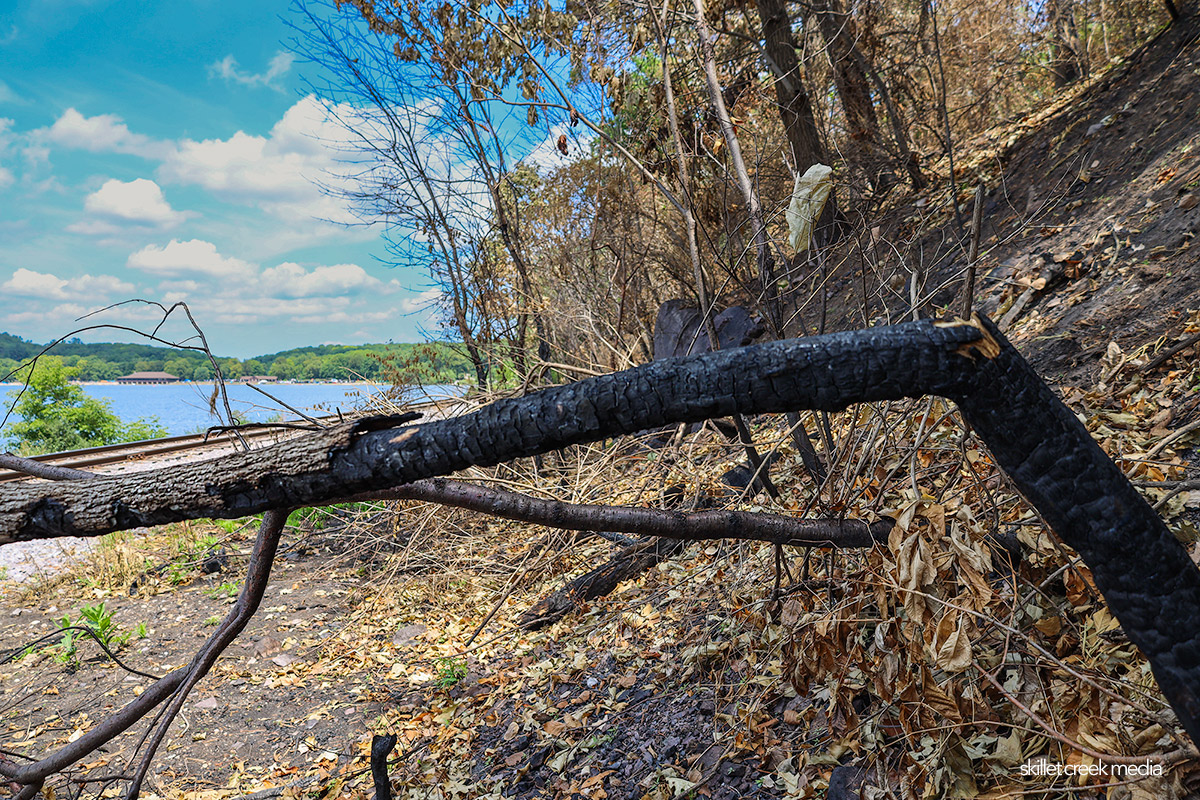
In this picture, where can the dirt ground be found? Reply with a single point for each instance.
(331, 656)
(674, 686)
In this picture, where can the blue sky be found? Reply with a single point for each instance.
(167, 151)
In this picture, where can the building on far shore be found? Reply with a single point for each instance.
(148, 377)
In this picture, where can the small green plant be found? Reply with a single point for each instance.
(450, 670)
(213, 620)
(179, 573)
(227, 589)
(100, 619)
(228, 525)
(97, 618)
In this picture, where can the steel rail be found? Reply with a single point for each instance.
(166, 445)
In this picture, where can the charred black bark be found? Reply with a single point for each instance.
(381, 748)
(1145, 574)
(825, 372)
(629, 563)
(684, 526)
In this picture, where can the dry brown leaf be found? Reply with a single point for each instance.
(951, 646)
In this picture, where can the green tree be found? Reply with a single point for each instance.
(179, 367)
(96, 369)
(280, 368)
(56, 415)
(231, 368)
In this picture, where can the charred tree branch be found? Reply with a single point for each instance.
(678, 525)
(1145, 574)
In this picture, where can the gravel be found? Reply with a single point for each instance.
(21, 561)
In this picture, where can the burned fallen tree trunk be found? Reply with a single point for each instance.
(1144, 573)
(629, 563)
(826, 372)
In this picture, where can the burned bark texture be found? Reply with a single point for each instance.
(1143, 571)
(695, 526)
(629, 563)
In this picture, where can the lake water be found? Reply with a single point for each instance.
(183, 407)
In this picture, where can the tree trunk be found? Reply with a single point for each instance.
(779, 49)
(1067, 61)
(848, 73)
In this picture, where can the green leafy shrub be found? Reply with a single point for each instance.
(450, 670)
(99, 619)
(56, 415)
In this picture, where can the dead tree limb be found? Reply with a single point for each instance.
(673, 529)
(1145, 574)
(679, 525)
(629, 563)
(36, 469)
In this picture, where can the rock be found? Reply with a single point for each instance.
(678, 332)
(846, 783)
(216, 562)
(1188, 202)
(403, 636)
(266, 646)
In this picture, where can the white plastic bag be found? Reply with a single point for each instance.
(808, 201)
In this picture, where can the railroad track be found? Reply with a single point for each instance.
(157, 449)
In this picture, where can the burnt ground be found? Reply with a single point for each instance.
(331, 657)
(673, 686)
(259, 711)
(1092, 202)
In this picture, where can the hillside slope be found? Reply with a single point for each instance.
(1096, 195)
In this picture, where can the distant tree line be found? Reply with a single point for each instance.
(438, 362)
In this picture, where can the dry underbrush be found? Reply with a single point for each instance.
(973, 644)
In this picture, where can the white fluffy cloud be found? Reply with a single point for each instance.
(293, 173)
(46, 286)
(101, 133)
(279, 172)
(292, 280)
(420, 302)
(119, 204)
(190, 258)
(227, 68)
(195, 271)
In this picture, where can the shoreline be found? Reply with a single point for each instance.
(227, 383)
